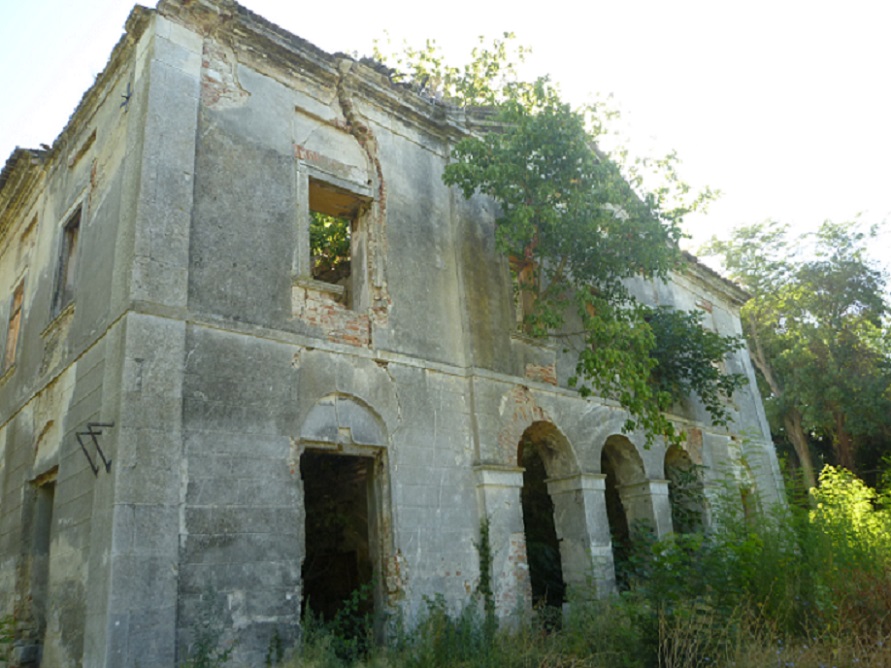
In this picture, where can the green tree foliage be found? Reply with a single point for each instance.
(488, 78)
(818, 331)
(329, 244)
(576, 229)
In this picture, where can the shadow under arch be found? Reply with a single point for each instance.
(345, 484)
(552, 523)
(625, 475)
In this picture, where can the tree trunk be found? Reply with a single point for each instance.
(795, 433)
(845, 448)
(526, 295)
(792, 418)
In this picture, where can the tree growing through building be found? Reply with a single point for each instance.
(577, 227)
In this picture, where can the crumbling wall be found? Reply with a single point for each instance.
(199, 331)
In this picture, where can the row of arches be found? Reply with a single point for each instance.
(552, 526)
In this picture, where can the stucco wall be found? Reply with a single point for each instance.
(197, 330)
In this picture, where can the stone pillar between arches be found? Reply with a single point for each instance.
(583, 531)
(647, 501)
(498, 495)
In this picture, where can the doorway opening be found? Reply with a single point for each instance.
(36, 602)
(340, 565)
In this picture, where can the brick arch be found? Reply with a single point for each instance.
(520, 413)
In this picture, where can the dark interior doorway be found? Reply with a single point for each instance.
(40, 555)
(338, 566)
(542, 546)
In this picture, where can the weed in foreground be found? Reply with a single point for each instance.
(808, 586)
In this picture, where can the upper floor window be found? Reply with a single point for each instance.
(335, 241)
(64, 294)
(14, 326)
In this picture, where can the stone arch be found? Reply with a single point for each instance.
(344, 477)
(623, 460)
(552, 447)
(561, 512)
(543, 453)
(632, 500)
(686, 493)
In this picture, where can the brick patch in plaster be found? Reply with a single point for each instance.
(329, 165)
(220, 88)
(694, 445)
(515, 589)
(542, 373)
(395, 576)
(341, 325)
(294, 452)
(521, 411)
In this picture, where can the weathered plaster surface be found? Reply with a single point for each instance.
(197, 331)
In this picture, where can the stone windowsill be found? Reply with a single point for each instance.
(336, 291)
(60, 321)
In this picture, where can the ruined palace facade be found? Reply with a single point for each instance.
(195, 422)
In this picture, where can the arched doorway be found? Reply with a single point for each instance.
(686, 494)
(345, 490)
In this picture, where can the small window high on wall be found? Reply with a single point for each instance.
(64, 294)
(335, 245)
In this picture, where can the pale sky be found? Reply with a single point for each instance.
(785, 106)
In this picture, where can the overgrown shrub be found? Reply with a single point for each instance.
(807, 585)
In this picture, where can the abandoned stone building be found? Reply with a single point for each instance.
(195, 420)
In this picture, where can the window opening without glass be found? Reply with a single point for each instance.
(67, 263)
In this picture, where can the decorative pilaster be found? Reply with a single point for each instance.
(498, 492)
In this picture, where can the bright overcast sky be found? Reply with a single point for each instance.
(783, 105)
